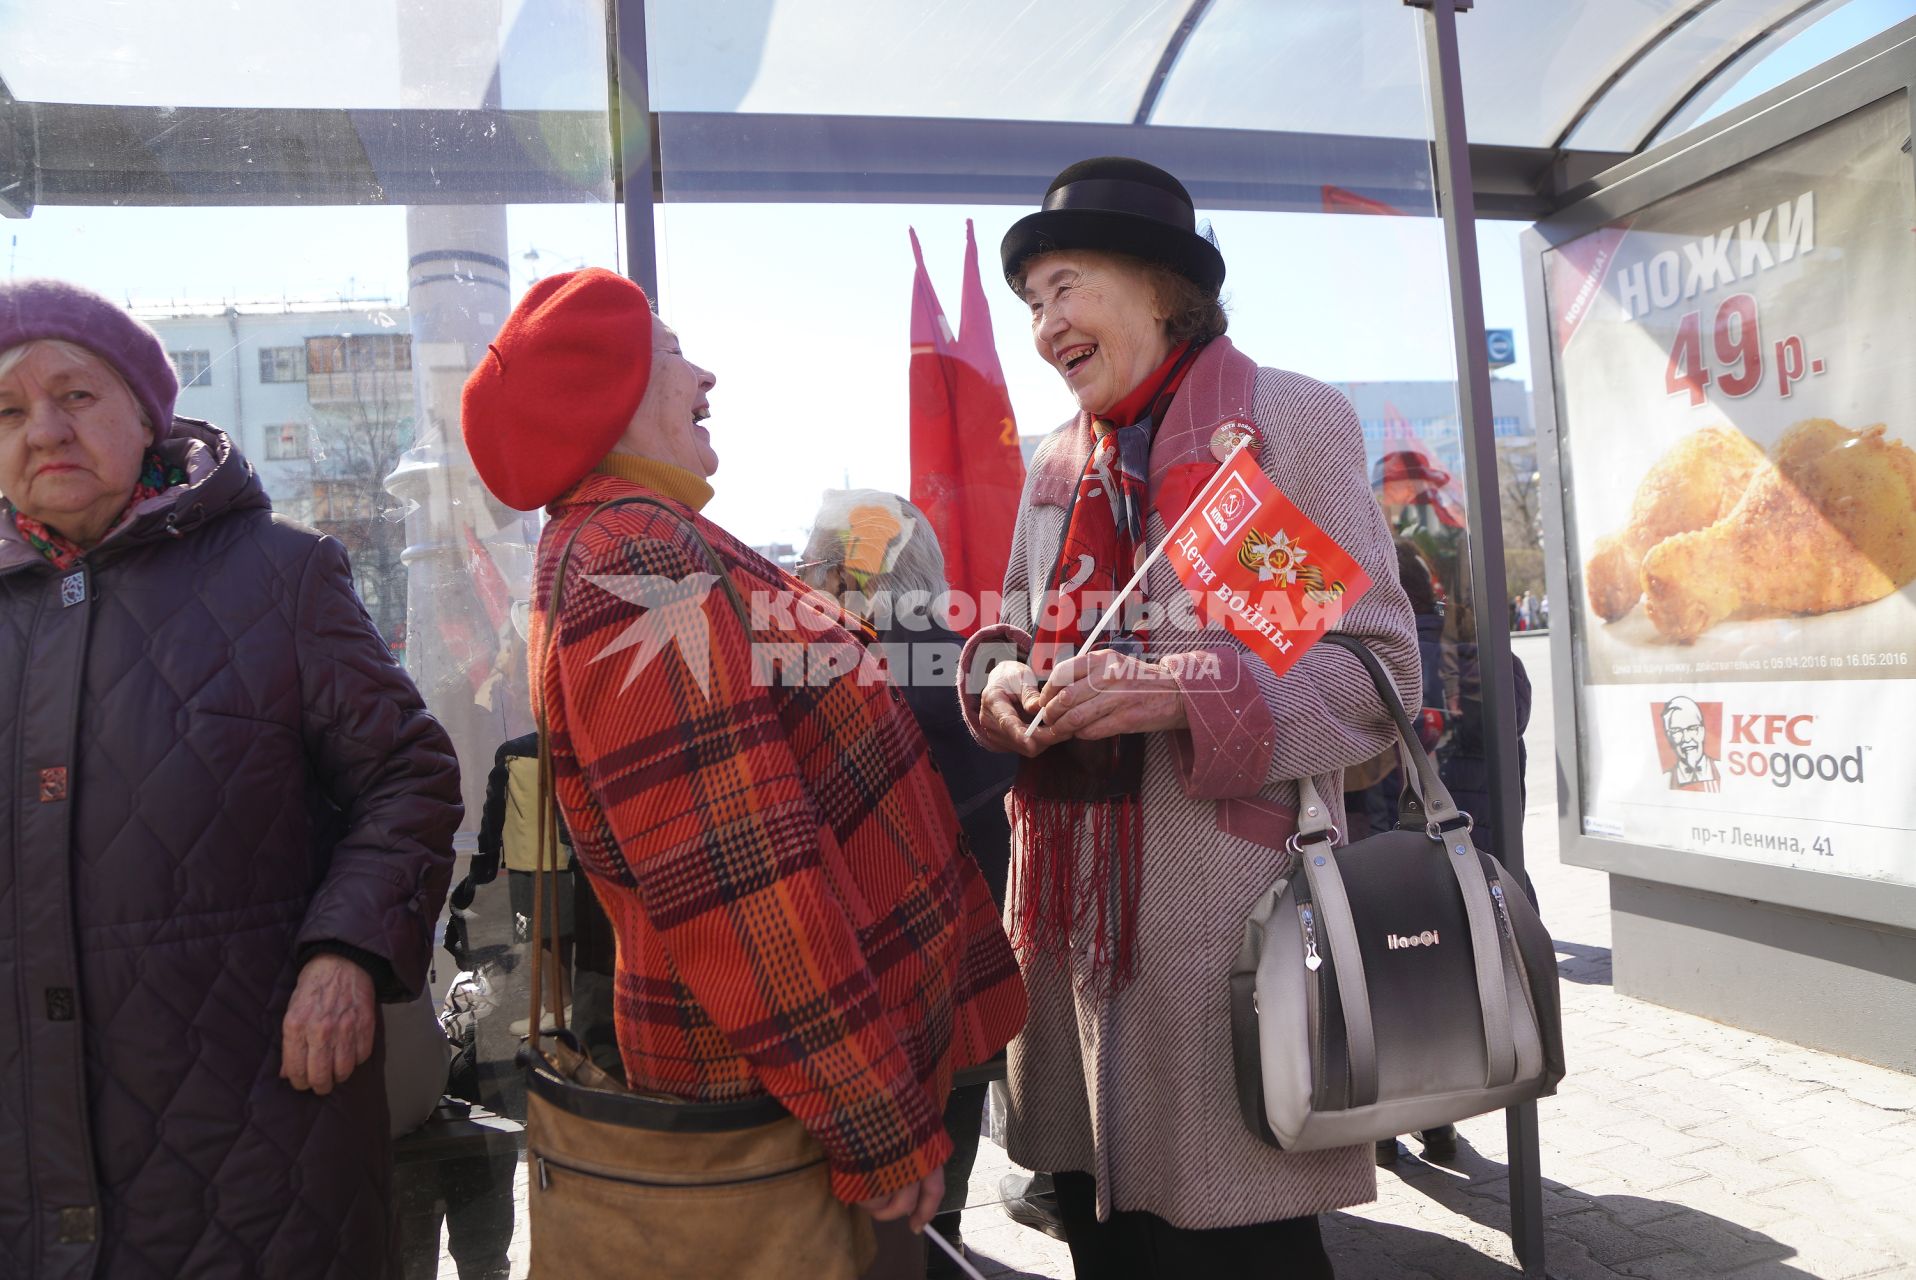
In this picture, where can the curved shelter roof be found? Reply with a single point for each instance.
(1535, 74)
(377, 101)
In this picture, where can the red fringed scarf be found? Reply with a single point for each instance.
(1092, 787)
(157, 475)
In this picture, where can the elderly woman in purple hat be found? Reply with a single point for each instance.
(227, 834)
(1153, 804)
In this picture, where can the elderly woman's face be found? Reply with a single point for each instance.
(71, 441)
(669, 424)
(1097, 321)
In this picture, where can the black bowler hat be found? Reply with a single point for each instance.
(1119, 205)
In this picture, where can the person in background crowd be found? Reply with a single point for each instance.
(509, 832)
(1371, 791)
(878, 554)
(781, 864)
(1154, 802)
(228, 835)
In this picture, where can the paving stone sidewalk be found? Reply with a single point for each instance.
(1676, 1148)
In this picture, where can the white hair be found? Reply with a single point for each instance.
(913, 565)
(1681, 703)
(12, 356)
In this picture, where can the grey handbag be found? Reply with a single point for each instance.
(1392, 985)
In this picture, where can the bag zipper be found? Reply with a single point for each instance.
(545, 1181)
(1313, 998)
(1508, 936)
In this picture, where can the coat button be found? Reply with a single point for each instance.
(79, 1224)
(59, 1004)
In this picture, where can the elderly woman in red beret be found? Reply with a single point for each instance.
(797, 917)
(228, 831)
(1155, 800)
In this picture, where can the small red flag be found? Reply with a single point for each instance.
(966, 467)
(1257, 564)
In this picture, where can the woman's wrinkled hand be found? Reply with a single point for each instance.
(1005, 708)
(328, 1029)
(1105, 694)
(919, 1200)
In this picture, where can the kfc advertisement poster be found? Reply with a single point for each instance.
(1735, 368)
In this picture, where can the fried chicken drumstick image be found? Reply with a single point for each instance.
(1829, 524)
(1691, 487)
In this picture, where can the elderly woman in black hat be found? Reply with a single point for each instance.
(1155, 798)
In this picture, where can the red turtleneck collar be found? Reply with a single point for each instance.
(1158, 384)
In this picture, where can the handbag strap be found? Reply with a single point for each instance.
(545, 913)
(1444, 822)
(1347, 962)
(1440, 811)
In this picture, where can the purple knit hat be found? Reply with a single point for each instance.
(31, 310)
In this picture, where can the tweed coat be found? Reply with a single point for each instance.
(1137, 1088)
(211, 768)
(761, 818)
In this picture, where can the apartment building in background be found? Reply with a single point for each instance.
(319, 397)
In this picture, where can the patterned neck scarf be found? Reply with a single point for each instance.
(157, 475)
(1093, 786)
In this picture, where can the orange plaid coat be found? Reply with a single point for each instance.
(795, 908)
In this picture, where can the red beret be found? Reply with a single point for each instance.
(559, 385)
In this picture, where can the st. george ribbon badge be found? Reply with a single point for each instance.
(1229, 435)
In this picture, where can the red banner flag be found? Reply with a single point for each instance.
(966, 467)
(1260, 566)
(1341, 200)
(488, 582)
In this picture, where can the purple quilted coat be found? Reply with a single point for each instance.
(209, 765)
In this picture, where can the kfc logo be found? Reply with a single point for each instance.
(1777, 748)
(1232, 508)
(1690, 743)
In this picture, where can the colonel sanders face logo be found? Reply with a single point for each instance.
(1690, 731)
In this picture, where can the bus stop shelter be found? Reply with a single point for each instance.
(643, 117)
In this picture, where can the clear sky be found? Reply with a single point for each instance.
(801, 310)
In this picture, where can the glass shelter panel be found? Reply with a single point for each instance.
(1790, 49)
(998, 59)
(789, 272)
(459, 151)
(1665, 76)
(545, 54)
(1734, 408)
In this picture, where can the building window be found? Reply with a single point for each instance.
(195, 368)
(282, 364)
(360, 353)
(287, 442)
(337, 501)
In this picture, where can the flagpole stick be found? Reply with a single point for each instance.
(952, 1251)
(1111, 612)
